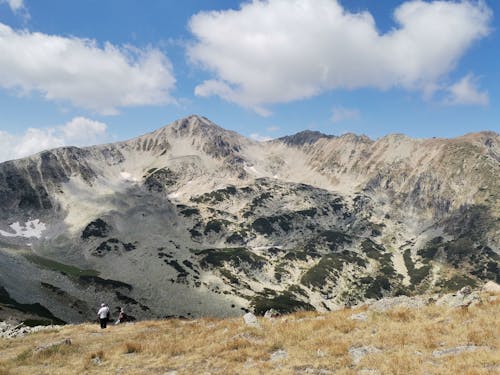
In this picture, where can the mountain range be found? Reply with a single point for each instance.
(195, 220)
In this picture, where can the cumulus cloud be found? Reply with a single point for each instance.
(466, 92)
(80, 131)
(79, 71)
(282, 50)
(340, 114)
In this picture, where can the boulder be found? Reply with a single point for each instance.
(251, 320)
(491, 287)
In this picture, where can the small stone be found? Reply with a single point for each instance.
(357, 353)
(97, 361)
(279, 355)
(361, 316)
(455, 351)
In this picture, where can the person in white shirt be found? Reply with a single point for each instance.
(103, 315)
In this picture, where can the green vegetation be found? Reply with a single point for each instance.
(372, 250)
(471, 223)
(337, 205)
(459, 250)
(457, 282)
(96, 228)
(376, 286)
(237, 238)
(216, 225)
(159, 179)
(263, 226)
(106, 283)
(334, 239)
(188, 212)
(216, 195)
(417, 275)
(310, 212)
(257, 202)
(229, 276)
(283, 303)
(431, 248)
(298, 254)
(279, 271)
(237, 256)
(60, 267)
(328, 266)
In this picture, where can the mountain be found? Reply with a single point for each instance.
(195, 220)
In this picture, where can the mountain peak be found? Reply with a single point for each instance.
(304, 137)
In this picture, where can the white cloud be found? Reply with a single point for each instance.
(260, 138)
(79, 131)
(282, 50)
(15, 5)
(466, 92)
(79, 71)
(340, 114)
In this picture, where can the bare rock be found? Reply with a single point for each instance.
(251, 320)
(271, 313)
(455, 351)
(279, 355)
(398, 302)
(361, 317)
(357, 353)
(491, 287)
(42, 348)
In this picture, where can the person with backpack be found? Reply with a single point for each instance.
(103, 315)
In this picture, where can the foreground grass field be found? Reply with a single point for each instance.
(430, 340)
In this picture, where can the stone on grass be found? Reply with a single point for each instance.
(455, 351)
(361, 316)
(279, 355)
(251, 320)
(357, 353)
(271, 313)
(491, 287)
(63, 342)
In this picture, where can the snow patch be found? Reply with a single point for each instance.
(32, 228)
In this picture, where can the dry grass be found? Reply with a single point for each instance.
(404, 342)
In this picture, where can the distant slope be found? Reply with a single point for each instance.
(196, 220)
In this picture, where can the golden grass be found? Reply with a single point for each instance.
(404, 342)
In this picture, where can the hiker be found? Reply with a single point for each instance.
(103, 315)
(122, 317)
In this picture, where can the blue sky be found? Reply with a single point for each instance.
(84, 72)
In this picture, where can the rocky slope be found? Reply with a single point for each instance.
(196, 220)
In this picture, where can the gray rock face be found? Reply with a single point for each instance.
(194, 220)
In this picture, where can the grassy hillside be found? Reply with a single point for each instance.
(429, 340)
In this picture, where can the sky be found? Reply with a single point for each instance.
(84, 72)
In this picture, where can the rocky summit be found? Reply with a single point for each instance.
(194, 220)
